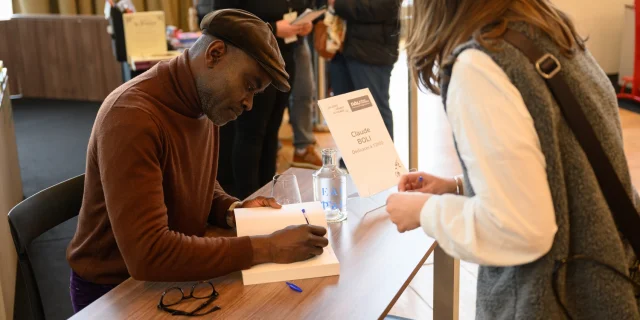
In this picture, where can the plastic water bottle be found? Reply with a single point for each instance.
(330, 187)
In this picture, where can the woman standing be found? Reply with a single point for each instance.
(249, 145)
(529, 198)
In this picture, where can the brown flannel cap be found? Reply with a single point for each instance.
(253, 36)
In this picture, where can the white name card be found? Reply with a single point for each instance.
(366, 146)
(145, 33)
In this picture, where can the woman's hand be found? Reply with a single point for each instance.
(284, 29)
(404, 209)
(426, 183)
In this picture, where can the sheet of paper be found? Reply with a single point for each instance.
(145, 33)
(259, 221)
(308, 16)
(366, 146)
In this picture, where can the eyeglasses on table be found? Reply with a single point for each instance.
(175, 295)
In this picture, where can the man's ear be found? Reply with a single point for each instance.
(215, 51)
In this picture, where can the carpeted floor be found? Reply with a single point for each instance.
(630, 105)
(52, 141)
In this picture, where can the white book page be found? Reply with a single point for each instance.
(261, 221)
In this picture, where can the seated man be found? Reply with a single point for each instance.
(150, 184)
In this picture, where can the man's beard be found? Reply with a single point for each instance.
(208, 101)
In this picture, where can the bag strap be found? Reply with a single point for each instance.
(624, 212)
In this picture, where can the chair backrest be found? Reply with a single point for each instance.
(36, 215)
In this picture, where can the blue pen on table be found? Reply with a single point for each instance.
(294, 287)
(304, 213)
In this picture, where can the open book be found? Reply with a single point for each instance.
(259, 221)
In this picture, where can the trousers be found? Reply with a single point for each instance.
(249, 146)
(348, 75)
(83, 292)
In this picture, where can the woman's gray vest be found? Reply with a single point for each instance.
(585, 223)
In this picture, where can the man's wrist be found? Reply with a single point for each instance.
(231, 218)
(261, 249)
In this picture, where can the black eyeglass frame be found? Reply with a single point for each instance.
(210, 298)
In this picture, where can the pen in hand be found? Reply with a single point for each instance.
(420, 179)
(304, 213)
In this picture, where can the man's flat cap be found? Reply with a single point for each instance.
(253, 36)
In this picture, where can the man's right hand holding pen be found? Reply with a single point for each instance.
(291, 244)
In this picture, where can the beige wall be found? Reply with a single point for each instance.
(601, 21)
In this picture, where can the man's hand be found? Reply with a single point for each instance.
(291, 244)
(404, 209)
(331, 2)
(251, 203)
(428, 183)
(306, 29)
(284, 29)
(260, 202)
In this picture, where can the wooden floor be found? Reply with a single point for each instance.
(631, 135)
(436, 155)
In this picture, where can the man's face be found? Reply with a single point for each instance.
(226, 88)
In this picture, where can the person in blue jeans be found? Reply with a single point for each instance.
(370, 50)
(302, 102)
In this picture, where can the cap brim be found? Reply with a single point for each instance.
(278, 80)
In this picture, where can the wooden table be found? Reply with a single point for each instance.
(376, 265)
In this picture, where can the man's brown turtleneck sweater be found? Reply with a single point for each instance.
(150, 186)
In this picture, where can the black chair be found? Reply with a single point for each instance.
(36, 215)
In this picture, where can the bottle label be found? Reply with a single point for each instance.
(330, 198)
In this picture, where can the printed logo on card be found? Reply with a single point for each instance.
(359, 103)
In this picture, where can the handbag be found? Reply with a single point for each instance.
(320, 38)
(329, 34)
(623, 211)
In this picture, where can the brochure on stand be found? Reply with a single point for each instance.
(366, 146)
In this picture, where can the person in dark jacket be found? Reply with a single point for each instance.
(249, 146)
(370, 50)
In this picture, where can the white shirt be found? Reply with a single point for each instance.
(510, 220)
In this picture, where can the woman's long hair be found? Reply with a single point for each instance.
(437, 27)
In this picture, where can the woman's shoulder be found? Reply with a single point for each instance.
(475, 63)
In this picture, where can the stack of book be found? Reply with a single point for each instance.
(147, 61)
